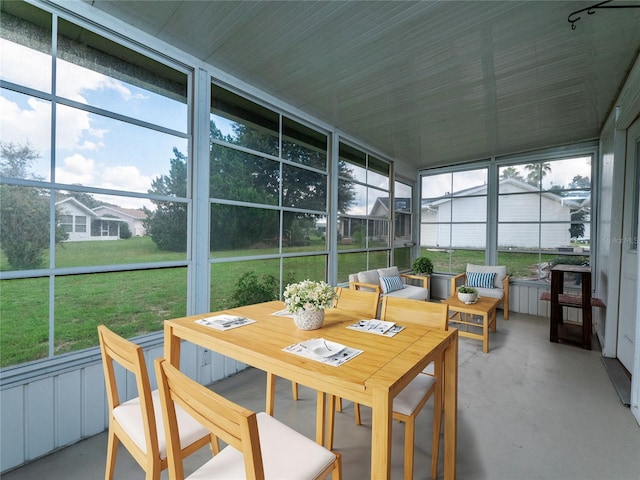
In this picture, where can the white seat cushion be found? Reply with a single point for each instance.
(408, 399)
(129, 416)
(411, 292)
(286, 455)
(491, 292)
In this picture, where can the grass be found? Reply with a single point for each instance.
(137, 302)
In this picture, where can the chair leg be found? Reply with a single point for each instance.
(437, 426)
(214, 444)
(409, 436)
(294, 390)
(339, 404)
(112, 451)
(271, 392)
(356, 411)
(331, 420)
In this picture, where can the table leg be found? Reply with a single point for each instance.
(381, 435)
(271, 392)
(451, 408)
(321, 414)
(171, 346)
(485, 332)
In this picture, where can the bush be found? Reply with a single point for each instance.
(423, 265)
(251, 289)
(125, 231)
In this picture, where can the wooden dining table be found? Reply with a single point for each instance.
(373, 378)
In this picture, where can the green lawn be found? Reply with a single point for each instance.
(137, 302)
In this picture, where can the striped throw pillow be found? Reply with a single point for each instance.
(391, 284)
(480, 280)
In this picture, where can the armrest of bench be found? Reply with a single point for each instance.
(420, 278)
(359, 285)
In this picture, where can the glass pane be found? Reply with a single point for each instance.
(85, 301)
(435, 235)
(297, 269)
(24, 324)
(349, 263)
(244, 283)
(353, 163)
(470, 179)
(571, 173)
(379, 259)
(351, 232)
(98, 151)
(519, 236)
(241, 176)
(434, 187)
(403, 196)
(523, 208)
(303, 232)
(441, 258)
(25, 46)
(304, 189)
(460, 258)
(24, 228)
(402, 229)
(25, 123)
(556, 236)
(352, 198)
(378, 233)
(243, 231)
(96, 71)
(469, 235)
(243, 122)
(378, 174)
(466, 209)
(402, 258)
(524, 265)
(303, 145)
(117, 235)
(512, 175)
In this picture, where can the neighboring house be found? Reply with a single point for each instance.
(402, 218)
(134, 217)
(470, 206)
(84, 224)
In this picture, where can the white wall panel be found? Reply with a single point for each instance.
(94, 400)
(67, 404)
(39, 415)
(12, 441)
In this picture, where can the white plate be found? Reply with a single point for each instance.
(322, 348)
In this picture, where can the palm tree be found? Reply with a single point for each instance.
(537, 172)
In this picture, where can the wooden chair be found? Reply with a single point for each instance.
(361, 303)
(408, 404)
(134, 423)
(259, 446)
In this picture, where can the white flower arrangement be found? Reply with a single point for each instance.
(308, 295)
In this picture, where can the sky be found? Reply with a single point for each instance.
(91, 150)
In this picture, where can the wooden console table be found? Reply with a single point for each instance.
(570, 332)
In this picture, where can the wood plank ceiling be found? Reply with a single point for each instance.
(430, 82)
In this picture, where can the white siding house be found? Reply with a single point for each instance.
(83, 224)
(452, 221)
(134, 218)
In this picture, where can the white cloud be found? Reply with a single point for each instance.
(124, 177)
(76, 169)
(30, 125)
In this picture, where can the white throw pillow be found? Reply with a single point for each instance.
(391, 284)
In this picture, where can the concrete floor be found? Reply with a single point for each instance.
(529, 409)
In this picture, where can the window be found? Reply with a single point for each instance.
(363, 212)
(402, 232)
(544, 215)
(268, 197)
(453, 219)
(120, 152)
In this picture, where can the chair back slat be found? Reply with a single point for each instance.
(404, 310)
(362, 303)
(234, 424)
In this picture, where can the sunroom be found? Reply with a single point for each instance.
(261, 143)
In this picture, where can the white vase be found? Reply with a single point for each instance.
(467, 297)
(309, 319)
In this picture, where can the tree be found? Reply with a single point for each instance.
(24, 211)
(512, 172)
(537, 171)
(240, 176)
(167, 225)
